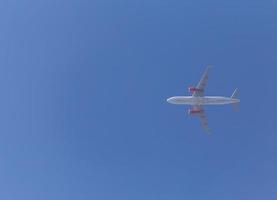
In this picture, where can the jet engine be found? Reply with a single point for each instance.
(194, 89)
(195, 111)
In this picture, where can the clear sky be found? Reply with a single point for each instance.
(83, 106)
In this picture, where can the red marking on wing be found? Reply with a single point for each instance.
(194, 89)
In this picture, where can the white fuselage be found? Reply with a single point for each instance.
(206, 100)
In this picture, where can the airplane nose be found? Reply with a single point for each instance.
(169, 100)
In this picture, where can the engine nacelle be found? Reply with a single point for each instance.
(195, 111)
(194, 89)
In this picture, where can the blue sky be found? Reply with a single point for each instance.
(83, 105)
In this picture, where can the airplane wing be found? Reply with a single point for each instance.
(202, 117)
(202, 83)
(204, 122)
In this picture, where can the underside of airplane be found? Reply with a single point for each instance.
(197, 100)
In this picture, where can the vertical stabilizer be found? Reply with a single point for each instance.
(235, 94)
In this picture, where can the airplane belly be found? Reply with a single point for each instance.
(200, 100)
(179, 100)
(185, 101)
(216, 101)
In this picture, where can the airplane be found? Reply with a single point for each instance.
(197, 100)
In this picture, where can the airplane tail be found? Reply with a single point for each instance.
(234, 96)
